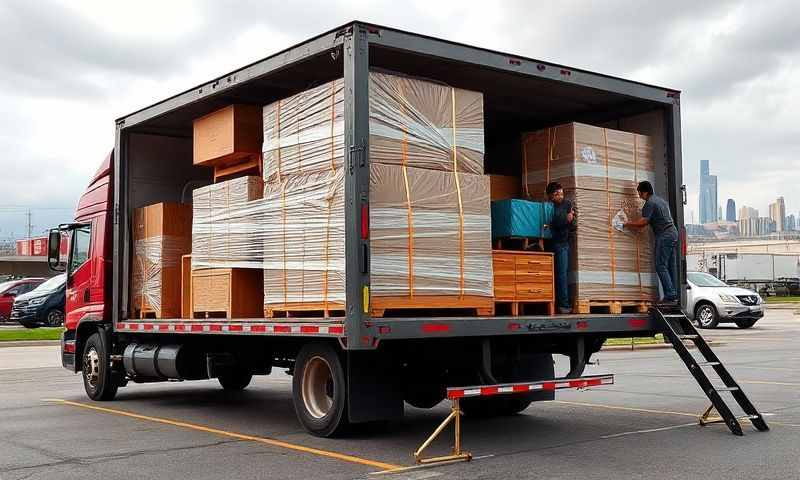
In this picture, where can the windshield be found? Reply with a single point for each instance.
(52, 284)
(705, 280)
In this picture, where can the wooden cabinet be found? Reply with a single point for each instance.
(523, 277)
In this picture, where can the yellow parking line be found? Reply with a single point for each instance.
(239, 436)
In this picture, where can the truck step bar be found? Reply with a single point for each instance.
(677, 328)
(455, 394)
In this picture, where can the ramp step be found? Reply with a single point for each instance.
(688, 337)
(708, 364)
(726, 389)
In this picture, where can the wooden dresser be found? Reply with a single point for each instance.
(523, 277)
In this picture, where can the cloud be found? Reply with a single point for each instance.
(70, 68)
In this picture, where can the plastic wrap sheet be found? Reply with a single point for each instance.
(423, 124)
(303, 240)
(419, 244)
(153, 259)
(305, 132)
(599, 169)
(227, 224)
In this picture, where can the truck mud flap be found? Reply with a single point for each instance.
(372, 390)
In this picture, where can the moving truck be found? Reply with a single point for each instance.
(353, 367)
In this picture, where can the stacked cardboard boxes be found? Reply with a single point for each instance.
(599, 169)
(161, 235)
(429, 202)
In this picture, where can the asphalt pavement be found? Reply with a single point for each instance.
(644, 426)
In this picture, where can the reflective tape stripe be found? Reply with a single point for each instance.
(263, 328)
(546, 385)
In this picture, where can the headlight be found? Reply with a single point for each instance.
(728, 298)
(37, 301)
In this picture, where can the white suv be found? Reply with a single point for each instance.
(710, 301)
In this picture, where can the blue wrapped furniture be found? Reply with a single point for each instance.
(517, 218)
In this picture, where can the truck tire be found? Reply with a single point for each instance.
(235, 380)
(97, 379)
(319, 390)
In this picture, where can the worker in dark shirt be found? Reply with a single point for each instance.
(563, 223)
(656, 213)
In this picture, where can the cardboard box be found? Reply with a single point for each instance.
(599, 169)
(227, 136)
(161, 235)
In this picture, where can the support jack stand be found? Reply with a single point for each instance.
(457, 455)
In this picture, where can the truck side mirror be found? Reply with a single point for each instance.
(54, 251)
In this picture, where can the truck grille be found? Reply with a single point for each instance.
(748, 299)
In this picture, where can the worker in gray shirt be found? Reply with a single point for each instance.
(655, 213)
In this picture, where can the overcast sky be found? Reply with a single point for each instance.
(70, 68)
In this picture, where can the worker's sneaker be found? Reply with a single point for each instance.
(564, 310)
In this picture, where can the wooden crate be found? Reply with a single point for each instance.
(161, 235)
(522, 278)
(227, 293)
(228, 136)
(483, 306)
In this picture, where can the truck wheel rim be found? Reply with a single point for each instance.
(91, 368)
(318, 387)
(706, 316)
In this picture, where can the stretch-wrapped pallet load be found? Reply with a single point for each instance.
(303, 243)
(420, 208)
(599, 169)
(430, 233)
(430, 226)
(161, 235)
(227, 224)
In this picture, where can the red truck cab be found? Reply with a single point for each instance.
(88, 264)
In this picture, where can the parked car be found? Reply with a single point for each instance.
(11, 289)
(42, 306)
(710, 301)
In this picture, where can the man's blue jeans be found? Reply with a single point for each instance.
(561, 254)
(666, 243)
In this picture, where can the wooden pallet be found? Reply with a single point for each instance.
(482, 306)
(305, 309)
(145, 313)
(518, 306)
(611, 306)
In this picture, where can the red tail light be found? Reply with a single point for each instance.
(683, 241)
(364, 222)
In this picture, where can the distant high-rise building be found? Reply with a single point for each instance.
(791, 223)
(755, 226)
(747, 212)
(730, 211)
(708, 194)
(777, 212)
(719, 212)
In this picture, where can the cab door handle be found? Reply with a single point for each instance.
(86, 296)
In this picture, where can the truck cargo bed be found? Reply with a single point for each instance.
(153, 162)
